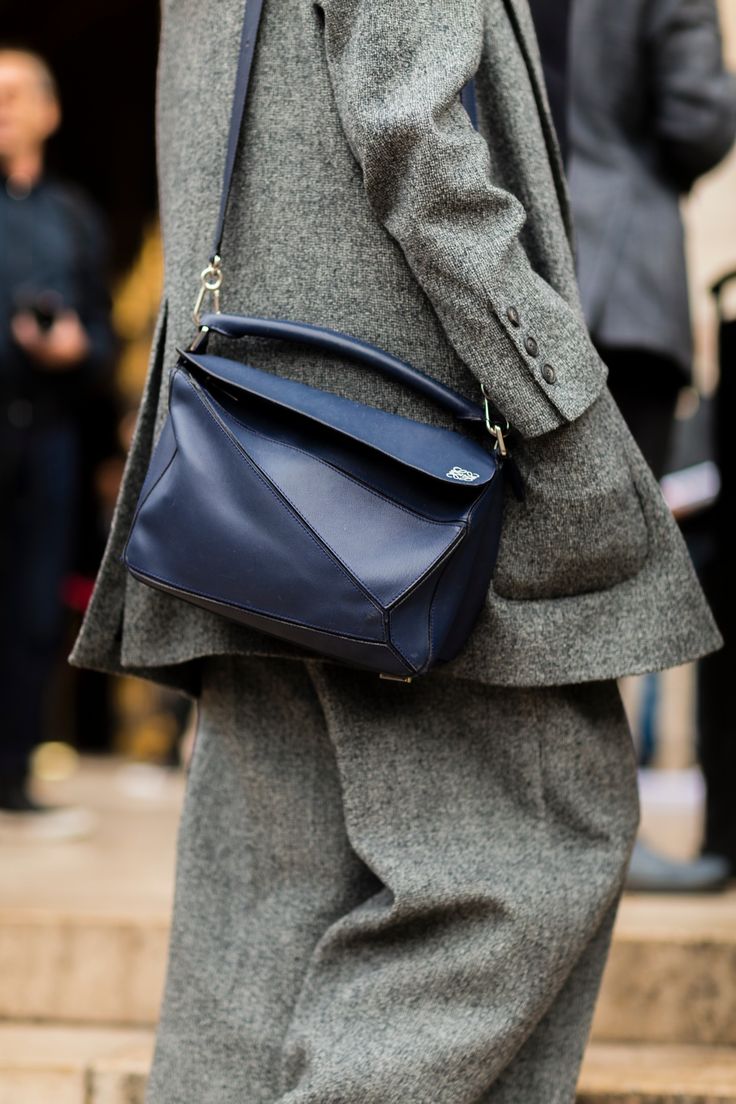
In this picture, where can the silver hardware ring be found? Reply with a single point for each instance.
(210, 279)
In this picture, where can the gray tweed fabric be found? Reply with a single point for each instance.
(391, 894)
(364, 200)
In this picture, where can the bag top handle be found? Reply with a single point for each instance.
(340, 344)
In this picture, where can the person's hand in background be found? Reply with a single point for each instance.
(64, 345)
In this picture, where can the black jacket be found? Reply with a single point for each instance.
(52, 242)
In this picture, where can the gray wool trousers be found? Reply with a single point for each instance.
(391, 894)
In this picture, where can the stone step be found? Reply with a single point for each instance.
(84, 925)
(74, 967)
(670, 975)
(80, 1065)
(657, 1074)
(84, 928)
(73, 1065)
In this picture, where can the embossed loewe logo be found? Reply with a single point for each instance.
(462, 474)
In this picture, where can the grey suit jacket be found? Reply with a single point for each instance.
(651, 108)
(364, 200)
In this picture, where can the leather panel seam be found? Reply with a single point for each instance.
(272, 487)
(459, 527)
(352, 478)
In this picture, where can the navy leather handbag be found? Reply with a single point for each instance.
(364, 536)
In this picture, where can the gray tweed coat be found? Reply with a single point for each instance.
(364, 200)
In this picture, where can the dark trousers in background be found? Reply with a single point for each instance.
(39, 474)
(715, 705)
(645, 386)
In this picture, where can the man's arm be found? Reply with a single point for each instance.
(397, 67)
(694, 96)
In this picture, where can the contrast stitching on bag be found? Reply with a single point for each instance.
(326, 551)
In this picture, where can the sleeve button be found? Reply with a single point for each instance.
(513, 316)
(531, 347)
(549, 374)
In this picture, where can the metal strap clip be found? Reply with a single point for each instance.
(210, 283)
(492, 425)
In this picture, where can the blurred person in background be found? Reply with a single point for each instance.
(651, 109)
(55, 350)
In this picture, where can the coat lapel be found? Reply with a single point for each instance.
(523, 25)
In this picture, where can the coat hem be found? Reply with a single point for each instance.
(182, 671)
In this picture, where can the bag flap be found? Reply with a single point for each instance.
(437, 452)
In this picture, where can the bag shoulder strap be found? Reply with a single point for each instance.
(470, 103)
(251, 22)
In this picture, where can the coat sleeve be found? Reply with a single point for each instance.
(694, 95)
(397, 68)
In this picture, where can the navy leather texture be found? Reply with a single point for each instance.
(365, 536)
(429, 449)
